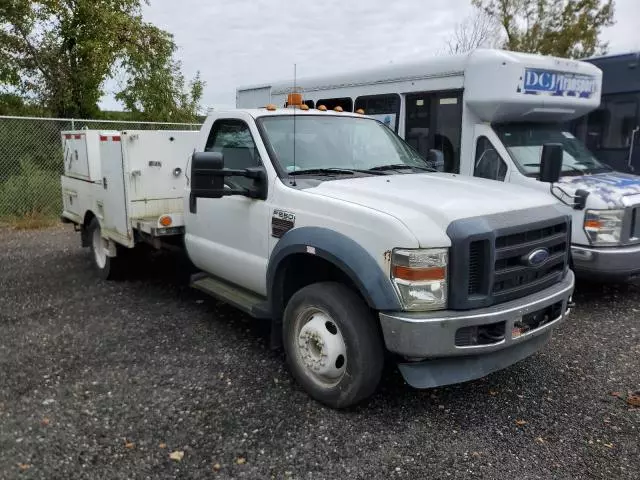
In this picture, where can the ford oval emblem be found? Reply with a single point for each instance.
(537, 257)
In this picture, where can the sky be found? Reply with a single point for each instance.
(244, 42)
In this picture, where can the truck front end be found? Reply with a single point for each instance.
(507, 285)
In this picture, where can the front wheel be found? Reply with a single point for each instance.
(333, 346)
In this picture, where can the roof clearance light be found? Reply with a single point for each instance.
(360, 111)
(338, 109)
(294, 99)
(304, 107)
(322, 108)
(271, 107)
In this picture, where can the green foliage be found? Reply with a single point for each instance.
(28, 194)
(13, 104)
(59, 53)
(564, 28)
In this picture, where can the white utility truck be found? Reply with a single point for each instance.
(328, 225)
(488, 114)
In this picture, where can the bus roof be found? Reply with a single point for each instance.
(446, 66)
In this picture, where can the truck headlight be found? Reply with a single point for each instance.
(420, 277)
(603, 227)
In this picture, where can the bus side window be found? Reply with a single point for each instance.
(488, 163)
(385, 108)
(346, 103)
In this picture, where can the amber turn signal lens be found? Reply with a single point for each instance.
(419, 274)
(165, 221)
(593, 224)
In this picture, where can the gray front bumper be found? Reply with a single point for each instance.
(432, 334)
(608, 263)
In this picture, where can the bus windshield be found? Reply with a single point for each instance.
(324, 142)
(524, 142)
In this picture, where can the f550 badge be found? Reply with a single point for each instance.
(282, 222)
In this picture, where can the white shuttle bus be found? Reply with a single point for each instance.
(488, 114)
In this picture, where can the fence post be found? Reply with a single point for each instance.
(73, 125)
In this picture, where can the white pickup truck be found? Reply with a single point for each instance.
(328, 225)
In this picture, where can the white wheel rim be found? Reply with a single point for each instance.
(99, 250)
(320, 347)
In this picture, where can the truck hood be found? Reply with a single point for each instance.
(424, 202)
(615, 189)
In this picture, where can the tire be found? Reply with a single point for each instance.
(107, 268)
(322, 323)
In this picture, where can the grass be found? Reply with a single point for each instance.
(31, 221)
(31, 199)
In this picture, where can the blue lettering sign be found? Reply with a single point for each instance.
(548, 82)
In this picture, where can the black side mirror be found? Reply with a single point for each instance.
(207, 177)
(551, 162)
(436, 158)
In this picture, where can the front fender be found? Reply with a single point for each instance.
(343, 252)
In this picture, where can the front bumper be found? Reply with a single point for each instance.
(607, 263)
(431, 336)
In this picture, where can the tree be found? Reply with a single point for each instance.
(477, 30)
(564, 28)
(59, 53)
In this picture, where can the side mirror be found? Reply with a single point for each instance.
(551, 162)
(436, 158)
(207, 175)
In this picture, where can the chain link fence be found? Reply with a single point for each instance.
(31, 161)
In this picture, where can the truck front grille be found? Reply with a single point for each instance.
(501, 257)
(477, 263)
(635, 223)
(513, 273)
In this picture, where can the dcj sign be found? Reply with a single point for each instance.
(549, 82)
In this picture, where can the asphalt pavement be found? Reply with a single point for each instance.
(146, 378)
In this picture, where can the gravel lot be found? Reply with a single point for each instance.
(106, 380)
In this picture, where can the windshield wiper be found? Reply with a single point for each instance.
(332, 171)
(400, 166)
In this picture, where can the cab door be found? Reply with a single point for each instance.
(228, 236)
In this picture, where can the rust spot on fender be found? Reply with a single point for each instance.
(387, 256)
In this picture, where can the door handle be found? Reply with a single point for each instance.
(633, 141)
(104, 182)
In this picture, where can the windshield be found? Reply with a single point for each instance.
(524, 142)
(340, 143)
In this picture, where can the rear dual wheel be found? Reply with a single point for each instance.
(333, 345)
(107, 268)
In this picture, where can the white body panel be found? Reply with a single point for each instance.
(82, 155)
(113, 204)
(133, 178)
